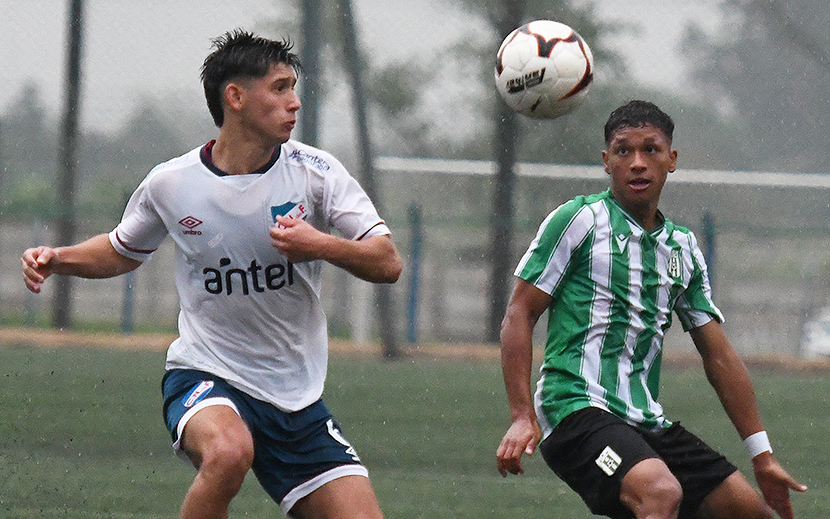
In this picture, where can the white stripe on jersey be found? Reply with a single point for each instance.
(613, 287)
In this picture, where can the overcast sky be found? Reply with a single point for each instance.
(153, 48)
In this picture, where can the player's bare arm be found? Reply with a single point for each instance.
(728, 376)
(93, 258)
(526, 306)
(374, 259)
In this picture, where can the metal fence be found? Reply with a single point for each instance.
(769, 250)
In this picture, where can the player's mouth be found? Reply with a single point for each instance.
(639, 184)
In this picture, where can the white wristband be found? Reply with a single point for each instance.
(757, 443)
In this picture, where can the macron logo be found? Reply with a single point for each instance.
(190, 223)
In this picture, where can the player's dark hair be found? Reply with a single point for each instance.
(238, 55)
(638, 113)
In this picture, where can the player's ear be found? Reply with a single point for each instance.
(673, 165)
(234, 95)
(605, 161)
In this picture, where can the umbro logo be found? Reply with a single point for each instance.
(190, 223)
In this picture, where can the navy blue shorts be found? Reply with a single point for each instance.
(294, 453)
(591, 450)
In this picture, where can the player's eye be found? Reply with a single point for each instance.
(284, 85)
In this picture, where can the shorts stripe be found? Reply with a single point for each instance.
(311, 485)
(207, 402)
(295, 453)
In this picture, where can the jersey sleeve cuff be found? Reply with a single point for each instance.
(129, 252)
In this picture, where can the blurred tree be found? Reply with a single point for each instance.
(460, 81)
(28, 140)
(507, 127)
(115, 163)
(767, 67)
(29, 148)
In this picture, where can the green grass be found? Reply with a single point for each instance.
(81, 436)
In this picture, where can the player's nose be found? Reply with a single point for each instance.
(295, 103)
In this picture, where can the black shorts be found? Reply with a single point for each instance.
(591, 450)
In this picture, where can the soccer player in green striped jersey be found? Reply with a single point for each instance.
(611, 271)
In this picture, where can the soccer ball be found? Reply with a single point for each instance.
(544, 69)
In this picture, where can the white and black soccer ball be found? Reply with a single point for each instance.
(544, 69)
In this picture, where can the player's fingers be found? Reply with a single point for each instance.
(32, 286)
(502, 467)
(43, 259)
(32, 280)
(510, 465)
(795, 485)
(30, 273)
(510, 459)
(285, 222)
(29, 259)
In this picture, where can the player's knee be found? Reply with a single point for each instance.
(229, 458)
(667, 494)
(660, 497)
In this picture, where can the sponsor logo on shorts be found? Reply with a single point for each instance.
(197, 393)
(609, 461)
(334, 432)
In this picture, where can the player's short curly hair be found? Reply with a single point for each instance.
(638, 113)
(239, 54)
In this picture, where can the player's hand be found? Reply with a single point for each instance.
(775, 484)
(522, 438)
(37, 265)
(297, 240)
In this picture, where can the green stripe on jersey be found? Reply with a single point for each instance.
(613, 288)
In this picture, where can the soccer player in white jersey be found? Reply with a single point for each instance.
(611, 270)
(250, 214)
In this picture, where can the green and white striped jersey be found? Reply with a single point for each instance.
(614, 287)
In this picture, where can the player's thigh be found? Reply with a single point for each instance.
(735, 498)
(649, 487)
(218, 432)
(349, 497)
(592, 451)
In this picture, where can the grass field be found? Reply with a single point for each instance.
(81, 436)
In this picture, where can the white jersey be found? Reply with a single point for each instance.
(247, 314)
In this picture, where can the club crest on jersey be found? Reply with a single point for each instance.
(675, 267)
(289, 210)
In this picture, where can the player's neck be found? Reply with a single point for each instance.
(239, 156)
(646, 215)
